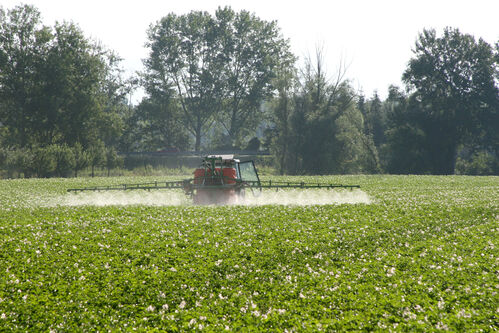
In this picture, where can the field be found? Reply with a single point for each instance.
(421, 253)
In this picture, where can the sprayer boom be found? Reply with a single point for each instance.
(298, 185)
(219, 180)
(139, 186)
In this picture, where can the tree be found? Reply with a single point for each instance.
(219, 67)
(82, 158)
(44, 162)
(112, 160)
(319, 129)
(23, 46)
(55, 84)
(253, 52)
(78, 79)
(96, 155)
(376, 120)
(159, 125)
(282, 106)
(65, 160)
(452, 78)
(405, 148)
(184, 57)
(158, 117)
(372, 129)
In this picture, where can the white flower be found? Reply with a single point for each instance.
(165, 306)
(442, 326)
(182, 305)
(463, 314)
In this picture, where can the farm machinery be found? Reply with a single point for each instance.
(220, 179)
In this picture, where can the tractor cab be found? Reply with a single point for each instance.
(222, 178)
(225, 170)
(247, 172)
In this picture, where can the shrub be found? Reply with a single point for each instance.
(65, 160)
(82, 158)
(97, 155)
(480, 163)
(3, 157)
(112, 159)
(44, 161)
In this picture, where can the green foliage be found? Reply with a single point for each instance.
(158, 121)
(220, 79)
(22, 46)
(480, 163)
(3, 157)
(219, 68)
(112, 160)
(253, 144)
(253, 50)
(44, 161)
(82, 158)
(65, 160)
(318, 127)
(455, 95)
(18, 162)
(421, 257)
(96, 155)
(54, 83)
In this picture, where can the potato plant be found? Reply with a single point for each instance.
(421, 256)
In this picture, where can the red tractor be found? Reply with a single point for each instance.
(220, 179)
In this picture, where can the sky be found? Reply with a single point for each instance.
(373, 38)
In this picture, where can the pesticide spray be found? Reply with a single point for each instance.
(170, 198)
(220, 180)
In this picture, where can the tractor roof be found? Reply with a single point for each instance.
(223, 157)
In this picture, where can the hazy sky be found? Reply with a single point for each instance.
(374, 37)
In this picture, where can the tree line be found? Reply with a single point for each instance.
(229, 81)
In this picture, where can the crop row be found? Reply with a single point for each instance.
(421, 256)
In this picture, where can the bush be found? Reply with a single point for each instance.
(44, 161)
(480, 163)
(253, 144)
(82, 158)
(3, 157)
(19, 162)
(65, 160)
(112, 160)
(97, 155)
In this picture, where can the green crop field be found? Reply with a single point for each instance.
(407, 253)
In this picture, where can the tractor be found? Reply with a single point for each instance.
(219, 180)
